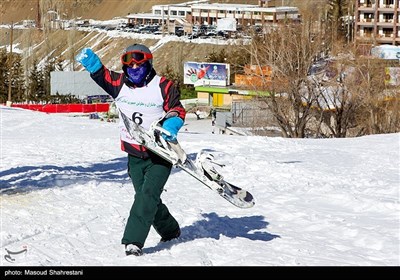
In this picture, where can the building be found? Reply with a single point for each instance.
(377, 22)
(77, 83)
(245, 15)
(204, 13)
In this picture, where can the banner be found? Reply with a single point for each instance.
(206, 74)
(392, 76)
(386, 52)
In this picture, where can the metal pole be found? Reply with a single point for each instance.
(348, 26)
(162, 24)
(10, 69)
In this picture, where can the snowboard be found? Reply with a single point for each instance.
(202, 168)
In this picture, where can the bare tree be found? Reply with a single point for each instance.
(338, 103)
(358, 99)
(290, 51)
(380, 101)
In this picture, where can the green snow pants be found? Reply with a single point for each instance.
(148, 177)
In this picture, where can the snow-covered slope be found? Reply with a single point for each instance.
(65, 197)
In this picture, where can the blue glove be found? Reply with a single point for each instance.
(89, 60)
(172, 125)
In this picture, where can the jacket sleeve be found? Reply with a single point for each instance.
(172, 95)
(108, 80)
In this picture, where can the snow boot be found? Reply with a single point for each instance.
(132, 249)
(176, 234)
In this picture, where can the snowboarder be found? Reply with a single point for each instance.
(145, 97)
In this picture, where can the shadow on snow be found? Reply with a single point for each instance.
(28, 178)
(213, 226)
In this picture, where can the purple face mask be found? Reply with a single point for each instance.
(137, 75)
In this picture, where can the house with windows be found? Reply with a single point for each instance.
(377, 22)
(204, 13)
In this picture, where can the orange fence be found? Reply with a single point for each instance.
(66, 108)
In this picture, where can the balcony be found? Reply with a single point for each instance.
(386, 8)
(366, 10)
(385, 38)
(366, 35)
(385, 23)
(367, 20)
(367, 5)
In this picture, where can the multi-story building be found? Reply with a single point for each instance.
(244, 14)
(204, 13)
(377, 22)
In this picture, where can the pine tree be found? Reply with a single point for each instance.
(35, 84)
(48, 68)
(219, 57)
(11, 68)
(18, 81)
(172, 75)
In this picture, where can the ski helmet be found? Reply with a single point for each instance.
(139, 47)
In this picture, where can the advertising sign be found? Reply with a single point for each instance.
(386, 52)
(392, 76)
(206, 74)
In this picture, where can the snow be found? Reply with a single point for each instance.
(135, 36)
(65, 198)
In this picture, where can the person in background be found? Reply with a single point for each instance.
(145, 97)
(213, 116)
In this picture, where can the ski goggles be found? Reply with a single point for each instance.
(137, 57)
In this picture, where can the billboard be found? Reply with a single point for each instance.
(386, 52)
(392, 76)
(206, 74)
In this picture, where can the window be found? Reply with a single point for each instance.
(387, 32)
(387, 17)
(368, 17)
(368, 31)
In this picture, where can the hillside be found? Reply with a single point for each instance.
(63, 44)
(17, 10)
